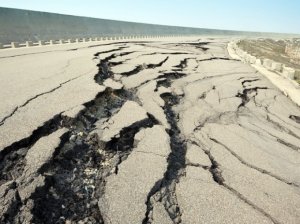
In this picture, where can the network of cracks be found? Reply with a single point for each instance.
(74, 179)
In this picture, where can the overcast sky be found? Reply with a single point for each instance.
(282, 16)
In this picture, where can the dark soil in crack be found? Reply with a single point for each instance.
(139, 68)
(247, 94)
(200, 45)
(12, 157)
(152, 66)
(182, 64)
(70, 191)
(295, 118)
(75, 177)
(167, 79)
(164, 190)
(134, 71)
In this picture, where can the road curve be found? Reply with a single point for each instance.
(170, 131)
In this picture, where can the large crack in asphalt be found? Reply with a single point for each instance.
(139, 68)
(217, 58)
(246, 95)
(67, 192)
(200, 45)
(60, 85)
(164, 190)
(295, 118)
(12, 157)
(71, 166)
(75, 176)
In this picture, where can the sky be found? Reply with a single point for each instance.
(281, 16)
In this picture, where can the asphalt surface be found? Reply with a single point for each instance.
(172, 131)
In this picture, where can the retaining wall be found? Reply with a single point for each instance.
(23, 25)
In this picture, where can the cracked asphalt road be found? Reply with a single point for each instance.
(170, 131)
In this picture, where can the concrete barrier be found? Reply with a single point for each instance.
(52, 42)
(252, 59)
(41, 42)
(267, 63)
(28, 43)
(288, 72)
(276, 67)
(284, 71)
(258, 62)
(297, 74)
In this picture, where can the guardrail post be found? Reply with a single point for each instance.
(41, 42)
(28, 43)
(52, 42)
(267, 63)
(15, 44)
(276, 66)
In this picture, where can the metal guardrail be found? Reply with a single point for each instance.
(81, 40)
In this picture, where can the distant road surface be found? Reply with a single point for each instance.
(171, 131)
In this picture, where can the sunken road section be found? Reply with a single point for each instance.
(145, 132)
